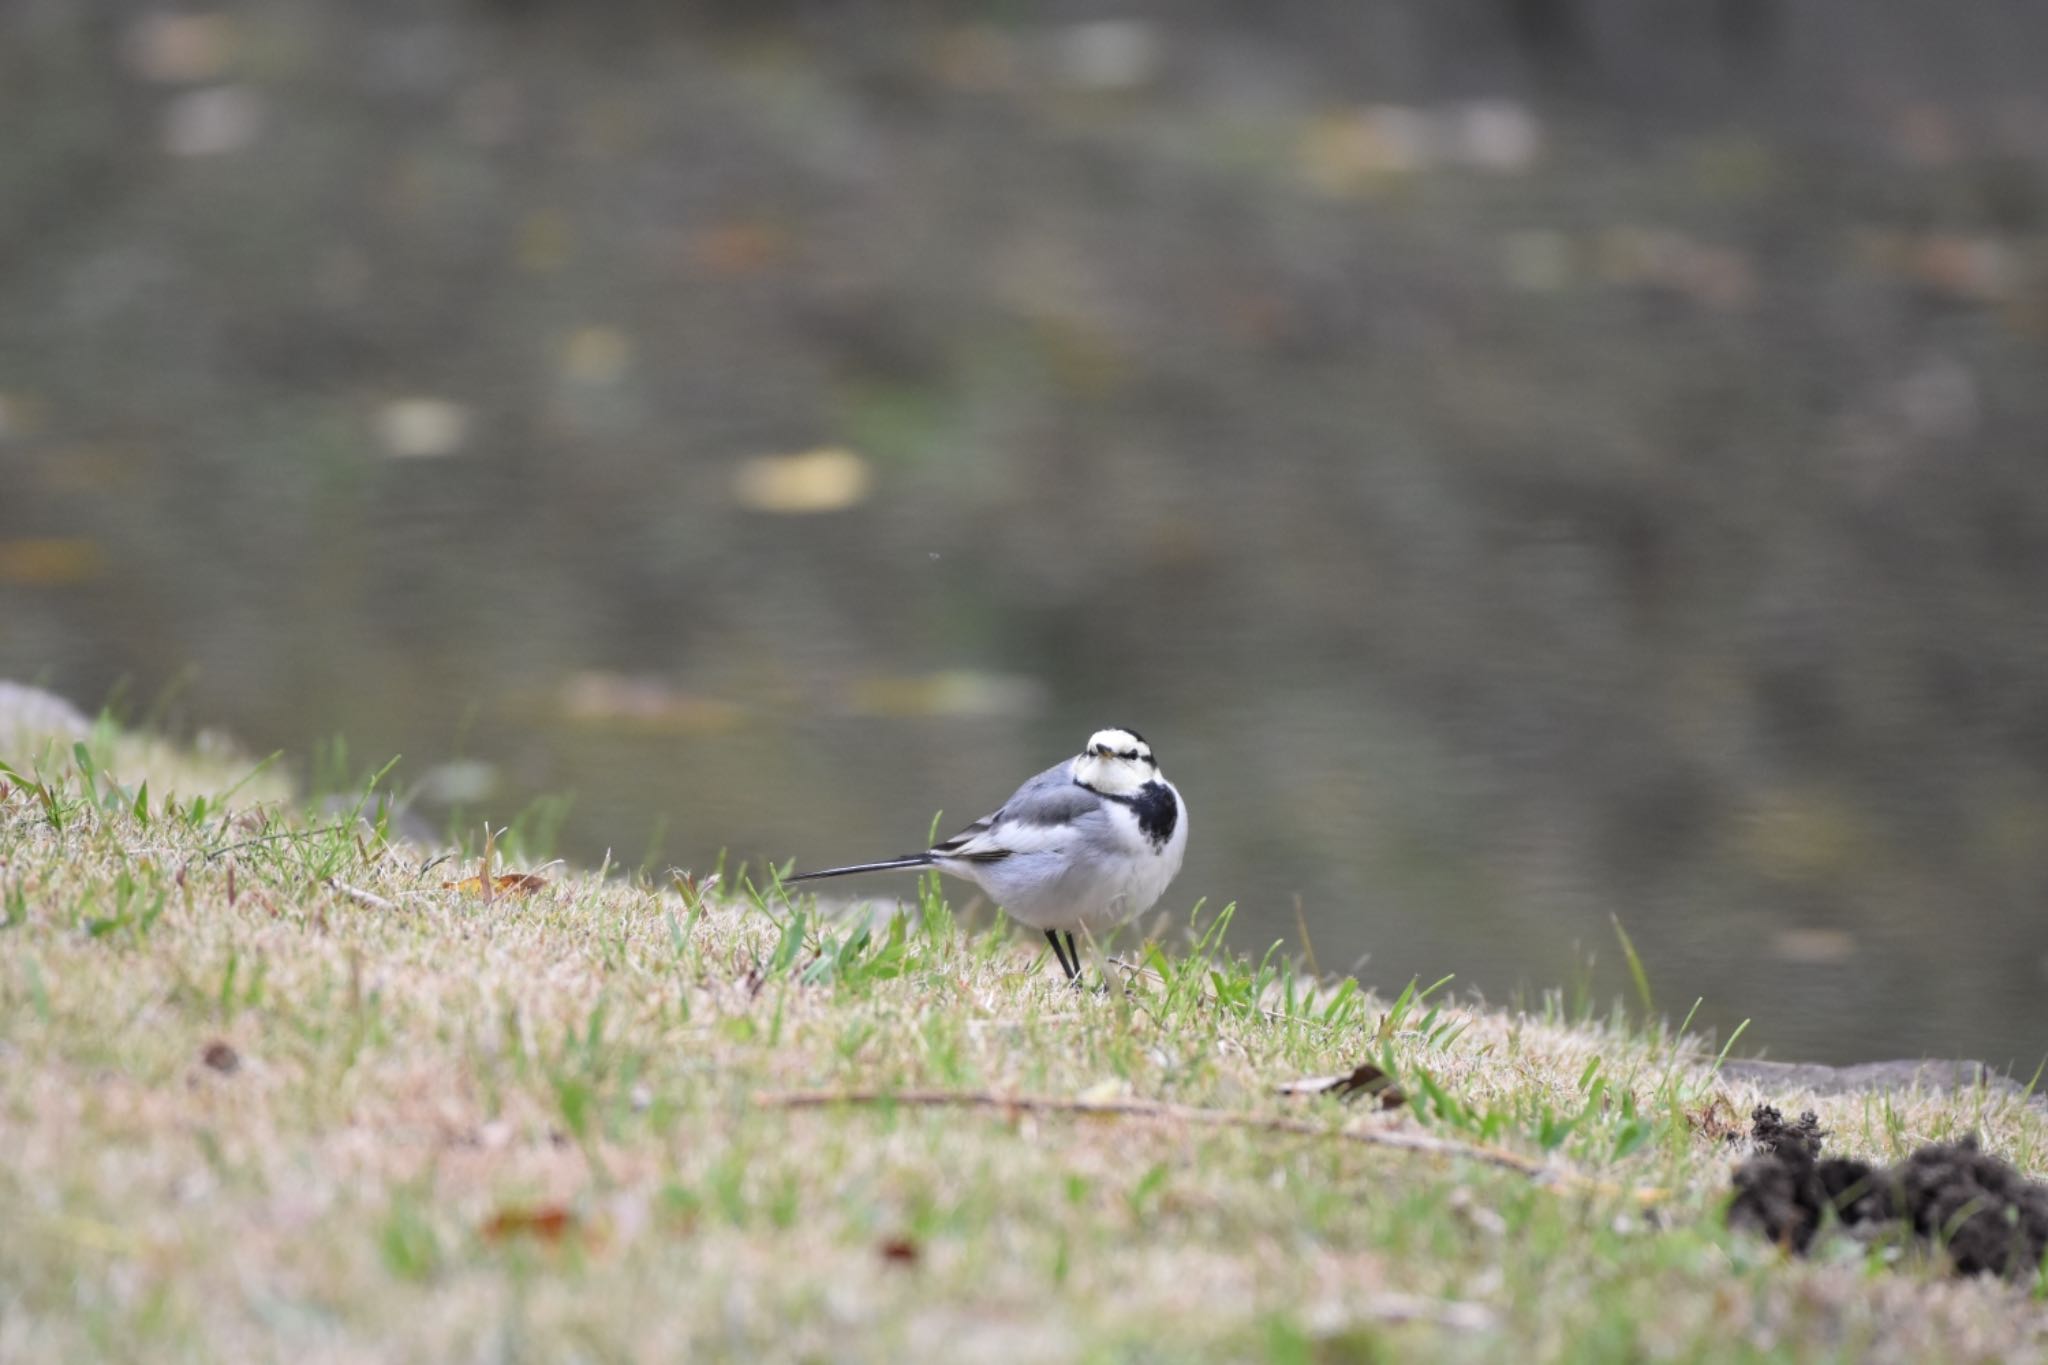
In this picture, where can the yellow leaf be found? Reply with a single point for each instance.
(952, 692)
(828, 479)
(422, 428)
(1351, 151)
(515, 883)
(1805, 835)
(545, 243)
(51, 561)
(596, 698)
(542, 1222)
(1813, 947)
(596, 355)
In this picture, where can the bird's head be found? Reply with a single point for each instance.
(1116, 762)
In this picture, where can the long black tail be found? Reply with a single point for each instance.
(912, 860)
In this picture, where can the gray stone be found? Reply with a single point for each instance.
(1868, 1077)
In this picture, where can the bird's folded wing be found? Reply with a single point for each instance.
(1040, 816)
(975, 843)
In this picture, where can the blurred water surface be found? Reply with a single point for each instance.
(1520, 464)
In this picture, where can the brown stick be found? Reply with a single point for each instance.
(369, 899)
(1161, 1111)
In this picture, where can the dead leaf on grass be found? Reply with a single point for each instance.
(1364, 1079)
(514, 883)
(900, 1251)
(542, 1222)
(690, 884)
(1716, 1119)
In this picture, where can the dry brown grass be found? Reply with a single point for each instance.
(348, 1114)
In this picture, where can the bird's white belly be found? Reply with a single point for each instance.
(1066, 888)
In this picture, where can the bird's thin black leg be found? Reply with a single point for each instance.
(1052, 936)
(1074, 952)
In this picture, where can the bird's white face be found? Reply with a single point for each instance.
(1115, 762)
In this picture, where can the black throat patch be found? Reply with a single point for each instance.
(1157, 812)
(1154, 806)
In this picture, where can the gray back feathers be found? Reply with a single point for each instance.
(1049, 800)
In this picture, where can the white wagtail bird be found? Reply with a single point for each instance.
(1086, 844)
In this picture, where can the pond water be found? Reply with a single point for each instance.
(1507, 510)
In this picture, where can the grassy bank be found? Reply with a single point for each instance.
(269, 1090)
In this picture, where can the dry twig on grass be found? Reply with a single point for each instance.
(1161, 1112)
(368, 899)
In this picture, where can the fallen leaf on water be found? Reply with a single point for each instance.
(645, 702)
(86, 469)
(1972, 268)
(1716, 276)
(20, 415)
(739, 248)
(828, 479)
(545, 242)
(51, 561)
(597, 354)
(518, 883)
(422, 427)
(951, 692)
(1812, 946)
(1364, 1079)
(1351, 151)
(976, 58)
(180, 49)
(1807, 834)
(544, 1222)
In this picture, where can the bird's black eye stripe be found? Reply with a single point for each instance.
(1138, 755)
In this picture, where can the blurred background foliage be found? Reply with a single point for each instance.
(1521, 461)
